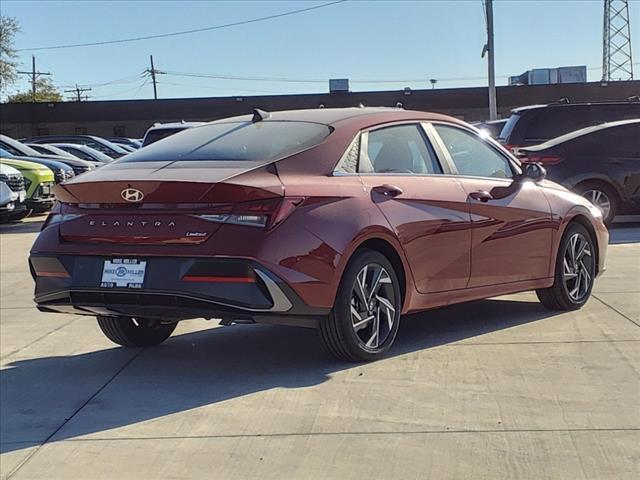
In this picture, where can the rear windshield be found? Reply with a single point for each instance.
(234, 141)
(158, 134)
(508, 127)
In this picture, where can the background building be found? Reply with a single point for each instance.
(547, 76)
(132, 117)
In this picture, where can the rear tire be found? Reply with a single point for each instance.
(573, 279)
(138, 332)
(364, 321)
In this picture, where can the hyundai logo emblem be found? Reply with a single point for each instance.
(132, 195)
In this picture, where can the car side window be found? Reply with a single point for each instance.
(400, 149)
(620, 141)
(96, 145)
(471, 155)
(79, 153)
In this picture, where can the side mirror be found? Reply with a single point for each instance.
(534, 172)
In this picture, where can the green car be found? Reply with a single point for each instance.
(39, 183)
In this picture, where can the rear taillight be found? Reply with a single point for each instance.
(543, 159)
(261, 213)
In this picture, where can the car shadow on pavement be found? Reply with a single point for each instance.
(198, 369)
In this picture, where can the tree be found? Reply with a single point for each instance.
(45, 92)
(8, 55)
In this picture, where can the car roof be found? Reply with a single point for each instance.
(583, 131)
(334, 116)
(92, 137)
(568, 104)
(79, 146)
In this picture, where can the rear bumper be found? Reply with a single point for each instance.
(71, 284)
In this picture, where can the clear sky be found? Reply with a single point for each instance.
(408, 41)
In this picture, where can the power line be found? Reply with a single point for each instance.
(246, 78)
(119, 81)
(325, 80)
(213, 87)
(185, 32)
(137, 88)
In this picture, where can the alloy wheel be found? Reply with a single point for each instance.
(600, 199)
(578, 267)
(373, 306)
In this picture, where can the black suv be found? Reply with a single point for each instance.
(538, 123)
(602, 163)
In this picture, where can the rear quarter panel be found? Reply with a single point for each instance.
(339, 213)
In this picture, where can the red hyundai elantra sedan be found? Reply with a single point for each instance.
(335, 219)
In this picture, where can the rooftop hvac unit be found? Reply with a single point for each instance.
(338, 85)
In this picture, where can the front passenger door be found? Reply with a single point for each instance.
(511, 222)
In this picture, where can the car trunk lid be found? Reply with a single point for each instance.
(152, 204)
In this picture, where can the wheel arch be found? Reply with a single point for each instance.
(394, 253)
(386, 249)
(582, 219)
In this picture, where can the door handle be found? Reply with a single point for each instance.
(481, 195)
(388, 190)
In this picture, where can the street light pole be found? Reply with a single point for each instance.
(493, 109)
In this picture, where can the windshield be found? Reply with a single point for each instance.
(235, 141)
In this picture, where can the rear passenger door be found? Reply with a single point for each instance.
(511, 222)
(427, 208)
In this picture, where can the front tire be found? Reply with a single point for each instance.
(364, 321)
(135, 332)
(575, 271)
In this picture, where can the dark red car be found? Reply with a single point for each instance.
(336, 219)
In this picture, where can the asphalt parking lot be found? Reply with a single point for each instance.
(494, 389)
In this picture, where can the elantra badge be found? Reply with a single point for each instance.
(132, 195)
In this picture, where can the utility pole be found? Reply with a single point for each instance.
(153, 72)
(78, 91)
(34, 74)
(488, 48)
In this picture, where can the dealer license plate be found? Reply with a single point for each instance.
(123, 272)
